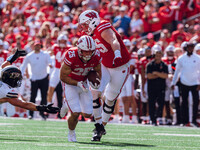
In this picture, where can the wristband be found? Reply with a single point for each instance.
(11, 58)
(117, 53)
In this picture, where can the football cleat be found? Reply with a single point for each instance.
(64, 109)
(98, 132)
(72, 137)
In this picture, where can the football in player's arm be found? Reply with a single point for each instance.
(10, 78)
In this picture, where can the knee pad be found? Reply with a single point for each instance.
(108, 106)
(97, 103)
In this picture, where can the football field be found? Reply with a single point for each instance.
(24, 134)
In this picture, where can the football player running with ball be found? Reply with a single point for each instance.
(78, 62)
(115, 66)
(10, 79)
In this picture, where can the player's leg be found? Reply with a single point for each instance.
(86, 104)
(59, 94)
(72, 99)
(131, 98)
(53, 82)
(118, 78)
(96, 94)
(124, 99)
(97, 104)
(168, 92)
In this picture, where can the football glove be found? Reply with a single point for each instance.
(82, 86)
(17, 54)
(118, 58)
(48, 108)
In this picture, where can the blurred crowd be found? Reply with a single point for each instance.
(143, 22)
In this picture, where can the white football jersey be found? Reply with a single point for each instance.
(7, 92)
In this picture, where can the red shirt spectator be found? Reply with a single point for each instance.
(166, 13)
(137, 7)
(10, 38)
(155, 22)
(47, 8)
(151, 41)
(179, 9)
(179, 34)
(192, 8)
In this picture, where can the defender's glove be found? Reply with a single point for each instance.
(17, 54)
(82, 86)
(118, 58)
(48, 108)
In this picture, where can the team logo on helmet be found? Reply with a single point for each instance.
(91, 15)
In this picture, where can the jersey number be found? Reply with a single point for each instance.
(59, 58)
(82, 71)
(100, 46)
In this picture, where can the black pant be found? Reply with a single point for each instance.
(59, 94)
(43, 86)
(156, 96)
(184, 106)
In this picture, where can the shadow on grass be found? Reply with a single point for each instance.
(18, 140)
(116, 144)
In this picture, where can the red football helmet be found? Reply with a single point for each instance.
(88, 21)
(86, 47)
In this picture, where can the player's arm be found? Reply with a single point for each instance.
(30, 106)
(13, 57)
(65, 70)
(98, 69)
(109, 36)
(5, 63)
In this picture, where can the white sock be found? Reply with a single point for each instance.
(71, 131)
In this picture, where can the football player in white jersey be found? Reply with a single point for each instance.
(11, 78)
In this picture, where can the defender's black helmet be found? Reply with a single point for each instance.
(12, 76)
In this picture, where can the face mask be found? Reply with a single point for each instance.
(62, 45)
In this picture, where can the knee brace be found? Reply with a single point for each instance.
(96, 103)
(108, 106)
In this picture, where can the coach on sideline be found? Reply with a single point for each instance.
(188, 70)
(39, 62)
(157, 72)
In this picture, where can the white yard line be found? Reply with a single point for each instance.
(67, 144)
(10, 124)
(107, 138)
(184, 135)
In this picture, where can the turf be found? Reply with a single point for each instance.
(20, 134)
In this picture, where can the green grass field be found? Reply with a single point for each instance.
(20, 134)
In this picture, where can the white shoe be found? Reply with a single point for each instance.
(64, 109)
(72, 136)
(125, 119)
(134, 120)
